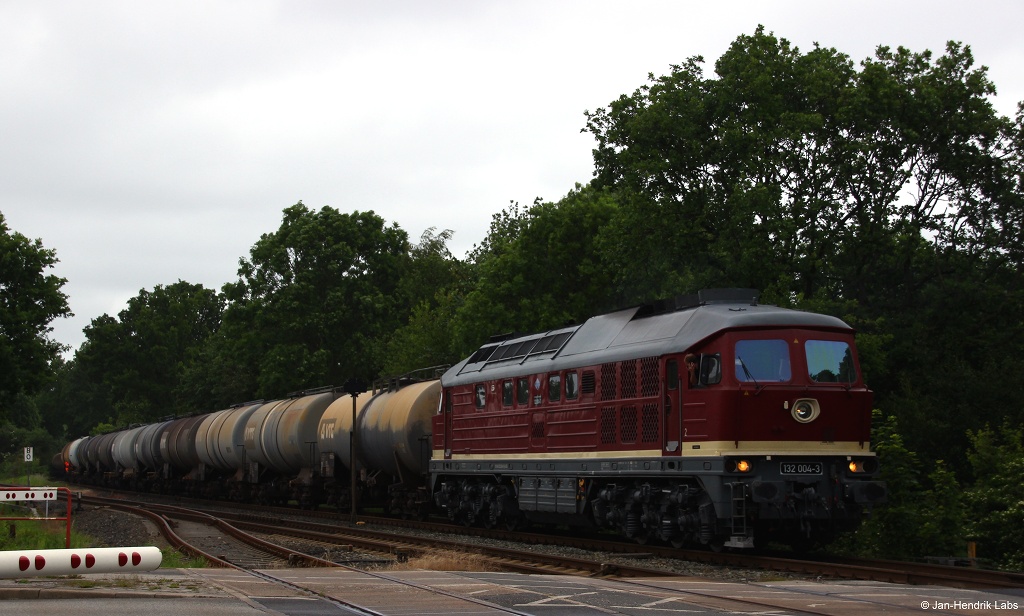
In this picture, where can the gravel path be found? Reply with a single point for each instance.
(114, 529)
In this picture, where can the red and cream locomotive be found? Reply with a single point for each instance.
(717, 422)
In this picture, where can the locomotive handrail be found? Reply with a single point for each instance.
(413, 376)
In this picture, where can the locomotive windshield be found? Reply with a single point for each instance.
(758, 361)
(830, 361)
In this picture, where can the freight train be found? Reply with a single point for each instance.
(708, 420)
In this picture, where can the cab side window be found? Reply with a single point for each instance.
(506, 393)
(572, 389)
(523, 392)
(554, 388)
(481, 396)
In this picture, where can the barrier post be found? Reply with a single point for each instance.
(13, 495)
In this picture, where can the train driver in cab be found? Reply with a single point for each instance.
(691, 369)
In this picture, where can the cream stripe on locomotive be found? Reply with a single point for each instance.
(769, 448)
(704, 449)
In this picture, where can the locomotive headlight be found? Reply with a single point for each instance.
(806, 410)
(863, 466)
(738, 466)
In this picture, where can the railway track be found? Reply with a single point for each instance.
(271, 544)
(225, 545)
(398, 539)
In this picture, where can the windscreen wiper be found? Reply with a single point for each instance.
(750, 376)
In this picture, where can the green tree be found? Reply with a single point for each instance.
(315, 301)
(924, 514)
(30, 299)
(996, 500)
(434, 285)
(138, 358)
(539, 269)
(798, 174)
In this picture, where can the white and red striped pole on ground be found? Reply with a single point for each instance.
(30, 563)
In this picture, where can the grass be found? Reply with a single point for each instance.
(36, 534)
(446, 561)
(173, 559)
(35, 478)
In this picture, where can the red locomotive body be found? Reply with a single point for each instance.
(716, 422)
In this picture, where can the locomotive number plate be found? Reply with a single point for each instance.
(800, 468)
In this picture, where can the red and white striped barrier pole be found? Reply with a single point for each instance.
(29, 563)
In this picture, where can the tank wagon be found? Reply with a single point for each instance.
(711, 420)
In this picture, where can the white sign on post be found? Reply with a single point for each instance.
(28, 454)
(28, 494)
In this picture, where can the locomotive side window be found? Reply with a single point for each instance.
(759, 361)
(522, 392)
(481, 396)
(711, 369)
(571, 386)
(554, 388)
(830, 361)
(506, 393)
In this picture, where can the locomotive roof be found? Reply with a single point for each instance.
(629, 334)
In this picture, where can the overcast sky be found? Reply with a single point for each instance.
(148, 142)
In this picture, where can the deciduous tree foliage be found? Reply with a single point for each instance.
(135, 362)
(996, 500)
(315, 300)
(434, 285)
(797, 172)
(30, 299)
(539, 268)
